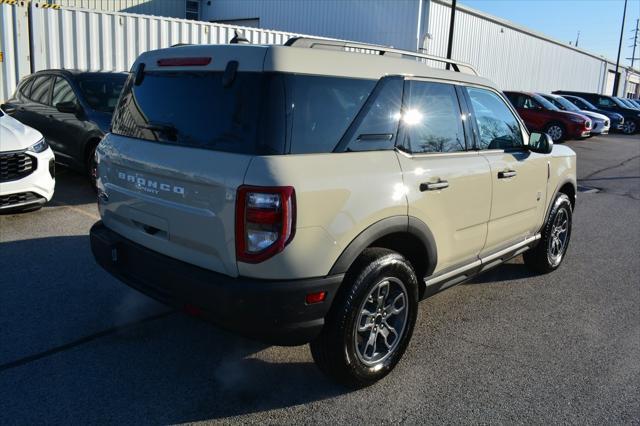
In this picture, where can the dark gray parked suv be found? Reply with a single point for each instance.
(72, 109)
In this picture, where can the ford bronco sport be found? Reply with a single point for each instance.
(316, 191)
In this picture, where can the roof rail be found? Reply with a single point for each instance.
(375, 49)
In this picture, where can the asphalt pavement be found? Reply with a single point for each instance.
(77, 346)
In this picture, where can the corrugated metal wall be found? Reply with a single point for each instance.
(388, 22)
(511, 57)
(99, 41)
(168, 8)
(14, 46)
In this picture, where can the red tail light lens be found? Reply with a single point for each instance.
(265, 221)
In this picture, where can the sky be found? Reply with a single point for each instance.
(597, 20)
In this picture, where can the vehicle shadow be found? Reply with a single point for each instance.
(75, 340)
(510, 271)
(72, 188)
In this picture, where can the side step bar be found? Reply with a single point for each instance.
(468, 271)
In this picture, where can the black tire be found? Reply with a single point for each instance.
(546, 257)
(630, 127)
(92, 167)
(336, 350)
(558, 135)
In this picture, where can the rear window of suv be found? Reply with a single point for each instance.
(258, 113)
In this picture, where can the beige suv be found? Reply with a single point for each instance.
(315, 192)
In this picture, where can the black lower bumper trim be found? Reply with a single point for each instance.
(271, 311)
(13, 203)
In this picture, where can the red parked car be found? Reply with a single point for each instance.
(541, 115)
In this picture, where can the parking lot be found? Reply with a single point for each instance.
(77, 346)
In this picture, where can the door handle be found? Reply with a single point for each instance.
(507, 174)
(50, 116)
(433, 186)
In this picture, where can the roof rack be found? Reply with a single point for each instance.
(374, 49)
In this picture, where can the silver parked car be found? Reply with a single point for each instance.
(601, 123)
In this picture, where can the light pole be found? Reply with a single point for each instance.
(616, 80)
(451, 25)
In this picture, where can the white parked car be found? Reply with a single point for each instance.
(27, 167)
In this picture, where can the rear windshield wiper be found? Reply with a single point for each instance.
(167, 129)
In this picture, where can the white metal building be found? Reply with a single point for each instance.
(187, 9)
(514, 57)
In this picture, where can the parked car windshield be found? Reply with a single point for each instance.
(619, 102)
(562, 103)
(545, 103)
(625, 102)
(101, 91)
(582, 103)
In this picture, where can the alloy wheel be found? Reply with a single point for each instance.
(629, 127)
(555, 132)
(381, 321)
(559, 236)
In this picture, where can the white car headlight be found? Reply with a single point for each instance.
(39, 146)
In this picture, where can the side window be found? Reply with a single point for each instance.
(40, 89)
(498, 127)
(431, 118)
(530, 103)
(62, 92)
(605, 102)
(25, 89)
(376, 125)
(577, 102)
(323, 108)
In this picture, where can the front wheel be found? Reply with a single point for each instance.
(556, 131)
(549, 253)
(371, 321)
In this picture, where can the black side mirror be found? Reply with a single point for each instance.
(540, 143)
(69, 107)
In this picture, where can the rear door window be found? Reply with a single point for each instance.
(41, 89)
(431, 118)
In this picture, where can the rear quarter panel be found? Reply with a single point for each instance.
(337, 197)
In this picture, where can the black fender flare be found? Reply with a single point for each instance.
(382, 228)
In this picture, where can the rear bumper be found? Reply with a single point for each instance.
(271, 311)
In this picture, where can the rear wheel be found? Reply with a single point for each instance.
(556, 131)
(371, 320)
(549, 253)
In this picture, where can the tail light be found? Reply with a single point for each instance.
(265, 221)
